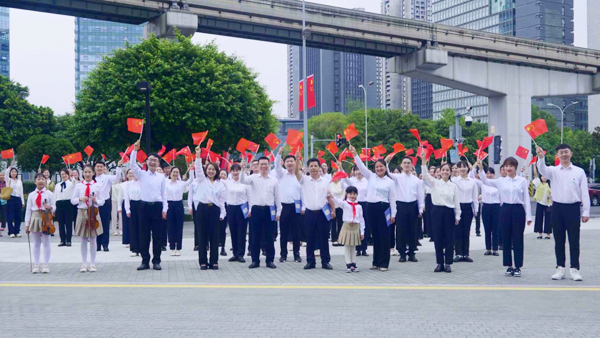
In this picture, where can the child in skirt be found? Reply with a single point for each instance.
(86, 194)
(39, 200)
(353, 229)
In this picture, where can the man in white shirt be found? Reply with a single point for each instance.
(570, 207)
(105, 181)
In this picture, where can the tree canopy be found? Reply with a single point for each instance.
(31, 151)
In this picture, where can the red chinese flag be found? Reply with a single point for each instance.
(536, 128)
(365, 155)
(522, 152)
(415, 133)
(334, 166)
(249, 157)
(533, 160)
(203, 153)
(409, 152)
(420, 150)
(184, 151)
(189, 159)
(487, 141)
(9, 153)
(253, 147)
(438, 153)
(293, 137)
(446, 143)
(556, 161)
(297, 148)
(301, 96)
(224, 165)
(272, 141)
(350, 132)
(242, 145)
(162, 150)
(88, 151)
(339, 175)
(462, 150)
(311, 100)
(479, 143)
(141, 156)
(103, 157)
(199, 137)
(429, 151)
(135, 125)
(345, 154)
(209, 144)
(170, 156)
(376, 157)
(398, 147)
(129, 149)
(379, 150)
(226, 156)
(332, 147)
(72, 158)
(124, 157)
(269, 155)
(45, 158)
(481, 154)
(414, 161)
(321, 160)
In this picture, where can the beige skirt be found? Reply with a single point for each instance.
(35, 223)
(350, 234)
(80, 228)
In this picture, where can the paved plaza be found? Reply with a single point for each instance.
(475, 300)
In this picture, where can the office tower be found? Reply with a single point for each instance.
(4, 42)
(593, 42)
(421, 91)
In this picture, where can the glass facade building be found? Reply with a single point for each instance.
(593, 42)
(4, 42)
(95, 39)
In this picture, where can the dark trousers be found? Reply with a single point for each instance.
(262, 230)
(150, 227)
(478, 220)
(381, 234)
(419, 225)
(543, 219)
(512, 220)
(105, 216)
(14, 210)
(237, 228)
(427, 225)
(208, 228)
(490, 213)
(336, 224)
(64, 216)
(196, 224)
(365, 241)
(290, 224)
(566, 220)
(164, 232)
(135, 224)
(317, 230)
(443, 222)
(406, 227)
(223, 231)
(126, 225)
(3, 215)
(175, 222)
(393, 232)
(463, 230)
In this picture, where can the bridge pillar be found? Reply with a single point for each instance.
(164, 25)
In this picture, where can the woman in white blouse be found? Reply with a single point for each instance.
(16, 203)
(381, 200)
(131, 206)
(237, 200)
(445, 215)
(64, 209)
(468, 196)
(515, 211)
(175, 190)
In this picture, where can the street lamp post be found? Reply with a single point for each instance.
(144, 87)
(305, 34)
(366, 125)
(562, 117)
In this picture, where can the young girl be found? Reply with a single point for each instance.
(37, 201)
(353, 230)
(86, 194)
(15, 203)
(64, 209)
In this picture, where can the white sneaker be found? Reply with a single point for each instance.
(18, 235)
(133, 254)
(36, 269)
(127, 245)
(575, 275)
(83, 268)
(559, 274)
(173, 253)
(12, 236)
(115, 234)
(177, 253)
(92, 268)
(45, 268)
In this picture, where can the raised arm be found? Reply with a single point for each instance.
(541, 164)
(126, 199)
(421, 197)
(361, 166)
(527, 201)
(585, 198)
(475, 195)
(278, 168)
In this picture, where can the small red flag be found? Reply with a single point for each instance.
(522, 152)
(480, 154)
(253, 147)
(350, 132)
(45, 158)
(438, 153)
(293, 137)
(209, 144)
(242, 145)
(224, 165)
(487, 141)
(462, 150)
(365, 155)
(135, 125)
(72, 158)
(301, 96)
(414, 161)
(320, 153)
(9, 153)
(533, 160)
(556, 160)
(415, 133)
(272, 141)
(124, 157)
(332, 147)
(269, 155)
(199, 137)
(184, 151)
(398, 147)
(141, 156)
(170, 156)
(297, 148)
(345, 154)
(536, 128)
(334, 166)
(339, 175)
(103, 157)
(321, 160)
(226, 156)
(88, 150)
(446, 143)
(162, 150)
(311, 100)
(409, 152)
(129, 149)
(379, 150)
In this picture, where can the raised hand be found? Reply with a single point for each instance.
(136, 145)
(539, 151)
(352, 150)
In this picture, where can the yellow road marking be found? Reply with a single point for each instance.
(300, 287)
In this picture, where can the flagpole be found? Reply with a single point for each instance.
(141, 131)
(304, 81)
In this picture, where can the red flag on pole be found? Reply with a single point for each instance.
(293, 137)
(184, 151)
(253, 147)
(533, 160)
(272, 141)
(398, 147)
(242, 145)
(446, 144)
(129, 149)
(365, 155)
(409, 152)
(350, 132)
(345, 154)
(334, 165)
(438, 153)
(415, 133)
(536, 128)
(162, 150)
(135, 125)
(522, 152)
(209, 144)
(9, 153)
(556, 161)
(88, 150)
(141, 156)
(72, 158)
(462, 150)
(301, 96)
(199, 137)
(45, 158)
(124, 157)
(332, 147)
(379, 150)
(339, 175)
(311, 100)
(103, 157)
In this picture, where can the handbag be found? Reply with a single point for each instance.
(6, 192)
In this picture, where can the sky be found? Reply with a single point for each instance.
(42, 54)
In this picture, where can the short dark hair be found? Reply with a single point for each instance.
(511, 161)
(491, 170)
(215, 166)
(255, 160)
(311, 160)
(66, 171)
(263, 158)
(99, 162)
(236, 167)
(165, 165)
(351, 189)
(446, 164)
(38, 175)
(154, 155)
(406, 158)
(563, 146)
(289, 156)
(462, 164)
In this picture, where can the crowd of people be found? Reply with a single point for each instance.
(302, 203)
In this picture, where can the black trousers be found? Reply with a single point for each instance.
(208, 232)
(381, 234)
(336, 224)
(237, 228)
(512, 220)
(566, 219)
(443, 222)
(135, 224)
(175, 216)
(427, 225)
(261, 229)
(105, 217)
(365, 241)
(463, 230)
(14, 210)
(478, 219)
(150, 227)
(223, 231)
(196, 224)
(543, 219)
(64, 216)
(393, 232)
(490, 213)
(316, 228)
(3, 215)
(406, 227)
(126, 225)
(290, 224)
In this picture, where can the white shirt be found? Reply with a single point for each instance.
(314, 192)
(489, 194)
(209, 192)
(237, 193)
(569, 185)
(289, 187)
(131, 192)
(512, 191)
(153, 185)
(362, 185)
(409, 188)
(264, 191)
(443, 193)
(337, 189)
(348, 215)
(17, 186)
(79, 192)
(175, 190)
(63, 191)
(380, 189)
(47, 198)
(106, 181)
(467, 191)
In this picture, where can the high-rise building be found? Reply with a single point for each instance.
(593, 37)
(543, 20)
(337, 79)
(95, 39)
(4, 42)
(421, 91)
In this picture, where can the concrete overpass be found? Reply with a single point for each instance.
(509, 70)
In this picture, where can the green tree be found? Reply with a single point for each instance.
(470, 135)
(65, 129)
(194, 88)
(31, 151)
(20, 119)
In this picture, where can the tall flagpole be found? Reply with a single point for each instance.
(305, 84)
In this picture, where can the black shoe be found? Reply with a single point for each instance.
(105, 249)
(478, 234)
(233, 259)
(297, 259)
(144, 267)
(431, 239)
(156, 266)
(214, 266)
(402, 259)
(203, 267)
(68, 244)
(358, 253)
(509, 272)
(270, 265)
(487, 253)
(327, 266)
(282, 259)
(447, 268)
(517, 272)
(99, 248)
(248, 254)
(223, 252)
(547, 237)
(412, 259)
(539, 237)
(196, 248)
(425, 236)
(457, 258)
(417, 249)
(164, 248)
(62, 244)
(495, 253)
(254, 265)
(364, 253)
(439, 268)
(467, 259)
(310, 266)
(241, 260)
